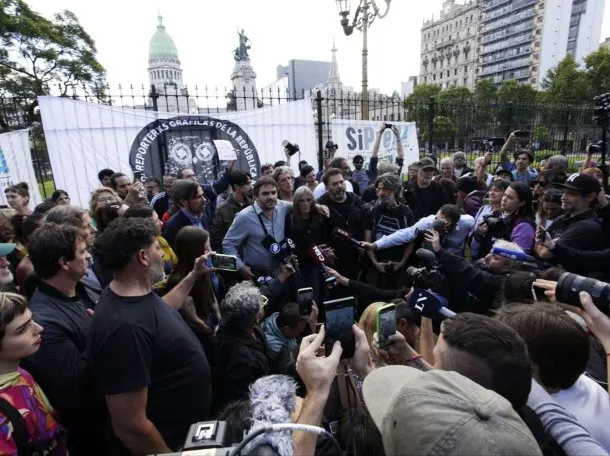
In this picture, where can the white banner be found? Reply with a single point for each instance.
(357, 137)
(16, 165)
(83, 138)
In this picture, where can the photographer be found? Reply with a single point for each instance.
(484, 281)
(453, 226)
(516, 224)
(587, 262)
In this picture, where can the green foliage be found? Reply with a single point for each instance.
(38, 54)
(598, 71)
(566, 83)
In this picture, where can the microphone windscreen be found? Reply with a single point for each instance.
(273, 398)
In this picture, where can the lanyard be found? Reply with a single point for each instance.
(260, 219)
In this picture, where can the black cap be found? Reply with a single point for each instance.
(583, 183)
(425, 163)
(330, 145)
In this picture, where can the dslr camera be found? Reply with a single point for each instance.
(497, 225)
(429, 276)
(570, 285)
(291, 148)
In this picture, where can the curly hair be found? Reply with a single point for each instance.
(67, 215)
(123, 237)
(240, 306)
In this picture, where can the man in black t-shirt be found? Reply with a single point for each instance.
(385, 217)
(151, 367)
(346, 213)
(579, 227)
(423, 195)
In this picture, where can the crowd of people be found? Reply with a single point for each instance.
(117, 331)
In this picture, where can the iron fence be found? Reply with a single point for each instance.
(442, 127)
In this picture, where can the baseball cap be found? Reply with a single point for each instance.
(582, 182)
(425, 163)
(330, 145)
(442, 413)
(6, 248)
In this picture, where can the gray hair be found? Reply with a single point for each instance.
(66, 215)
(385, 167)
(277, 172)
(459, 153)
(240, 306)
(557, 160)
(391, 182)
(447, 161)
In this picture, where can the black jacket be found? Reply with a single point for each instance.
(241, 360)
(225, 214)
(464, 276)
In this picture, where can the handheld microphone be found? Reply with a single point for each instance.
(344, 235)
(430, 304)
(318, 258)
(287, 253)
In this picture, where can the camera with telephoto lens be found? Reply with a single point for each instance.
(497, 225)
(429, 276)
(570, 285)
(291, 148)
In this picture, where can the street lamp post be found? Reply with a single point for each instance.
(364, 16)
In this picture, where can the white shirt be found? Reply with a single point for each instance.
(321, 189)
(589, 403)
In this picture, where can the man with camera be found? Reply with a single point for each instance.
(579, 227)
(452, 226)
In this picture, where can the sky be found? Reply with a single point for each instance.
(205, 33)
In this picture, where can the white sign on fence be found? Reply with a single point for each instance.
(357, 137)
(83, 138)
(16, 164)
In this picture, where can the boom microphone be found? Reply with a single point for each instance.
(427, 257)
(318, 258)
(344, 235)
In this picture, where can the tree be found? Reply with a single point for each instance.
(456, 103)
(38, 55)
(598, 72)
(417, 106)
(566, 83)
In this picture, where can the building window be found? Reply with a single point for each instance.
(434, 77)
(465, 81)
(455, 71)
(447, 73)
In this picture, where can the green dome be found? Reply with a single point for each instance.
(161, 44)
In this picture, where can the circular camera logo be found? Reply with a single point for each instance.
(168, 145)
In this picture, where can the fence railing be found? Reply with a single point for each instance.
(442, 127)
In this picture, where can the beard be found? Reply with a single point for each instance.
(6, 279)
(156, 273)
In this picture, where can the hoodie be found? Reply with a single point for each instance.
(276, 340)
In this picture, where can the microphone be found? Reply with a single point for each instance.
(430, 304)
(272, 398)
(287, 253)
(318, 258)
(344, 235)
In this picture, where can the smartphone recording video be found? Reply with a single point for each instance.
(224, 262)
(305, 298)
(386, 324)
(338, 326)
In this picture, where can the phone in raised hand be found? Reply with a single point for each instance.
(386, 324)
(339, 319)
